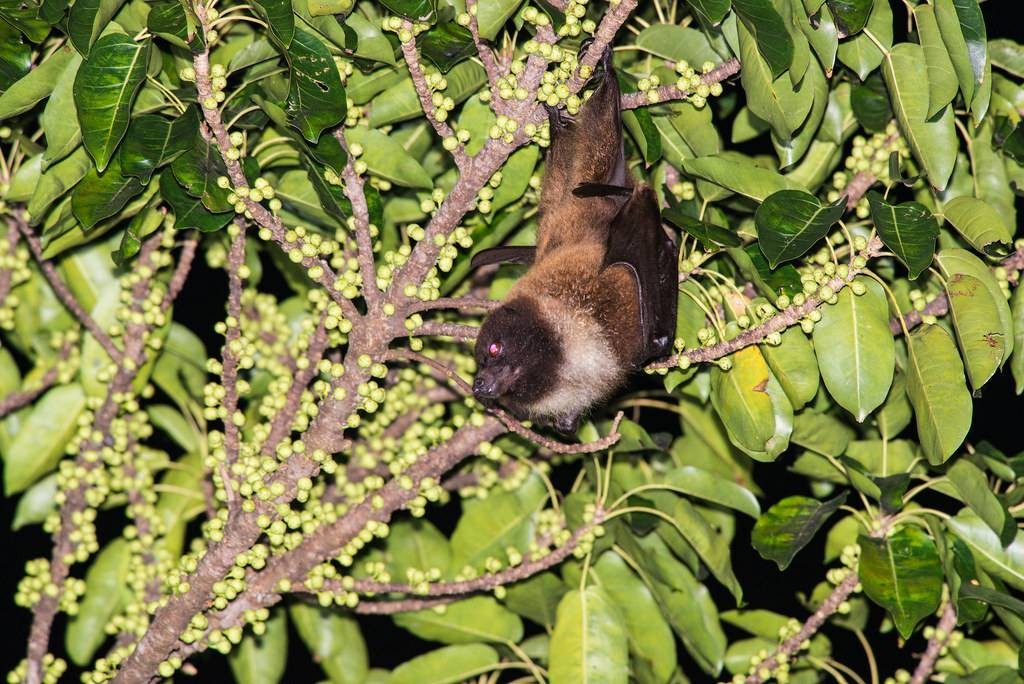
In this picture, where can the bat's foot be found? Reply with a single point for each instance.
(557, 117)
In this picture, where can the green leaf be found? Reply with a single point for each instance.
(36, 504)
(174, 425)
(790, 222)
(788, 526)
(105, 87)
(198, 170)
(938, 392)
(1006, 563)
(59, 119)
(536, 598)
(40, 442)
(795, 367)
(963, 30)
(589, 643)
(933, 141)
(902, 573)
(56, 182)
(262, 659)
(177, 23)
(189, 211)
(385, 157)
(279, 17)
(87, 20)
(101, 195)
(953, 261)
(488, 527)
(978, 327)
(855, 349)
(942, 82)
(860, 53)
(821, 433)
(677, 43)
(768, 29)
(908, 229)
(1017, 361)
(710, 486)
(334, 640)
(422, 10)
(491, 15)
(752, 405)
(471, 620)
(105, 595)
(870, 103)
(37, 84)
(650, 637)
(770, 96)
(316, 98)
(15, 56)
(445, 45)
(975, 491)
(850, 15)
(710, 12)
(372, 44)
(153, 140)
(515, 176)
(993, 598)
(980, 225)
(1008, 55)
(709, 234)
(448, 665)
(738, 173)
(24, 17)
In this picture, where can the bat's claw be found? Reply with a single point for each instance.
(567, 425)
(557, 116)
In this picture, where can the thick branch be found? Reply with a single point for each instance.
(232, 339)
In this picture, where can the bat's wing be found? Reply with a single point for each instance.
(637, 242)
(503, 255)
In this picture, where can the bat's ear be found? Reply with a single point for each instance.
(601, 190)
(503, 255)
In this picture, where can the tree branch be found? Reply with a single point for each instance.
(356, 194)
(63, 293)
(667, 93)
(947, 623)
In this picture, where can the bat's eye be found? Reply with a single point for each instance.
(494, 349)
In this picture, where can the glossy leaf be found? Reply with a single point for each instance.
(105, 87)
(56, 182)
(770, 96)
(198, 169)
(36, 85)
(752, 405)
(1006, 563)
(953, 261)
(902, 573)
(855, 349)
(768, 29)
(790, 222)
(980, 225)
(105, 587)
(972, 485)
(850, 15)
(260, 659)
(963, 30)
(471, 620)
(189, 211)
(709, 234)
(938, 392)
(488, 527)
(862, 54)
(87, 19)
(908, 229)
(933, 140)
(101, 195)
(387, 158)
(795, 367)
(316, 98)
(589, 643)
(704, 484)
(59, 119)
(788, 526)
(978, 327)
(401, 103)
(493, 14)
(448, 665)
(942, 81)
(280, 19)
(737, 173)
(40, 443)
(153, 141)
(446, 45)
(176, 22)
(334, 640)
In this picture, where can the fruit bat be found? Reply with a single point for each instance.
(599, 298)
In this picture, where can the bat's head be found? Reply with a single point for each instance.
(517, 354)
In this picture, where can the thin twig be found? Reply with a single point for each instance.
(446, 329)
(943, 630)
(459, 303)
(63, 293)
(667, 93)
(356, 195)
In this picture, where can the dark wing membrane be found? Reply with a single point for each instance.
(601, 190)
(637, 240)
(503, 255)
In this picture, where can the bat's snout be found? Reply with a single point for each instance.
(485, 386)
